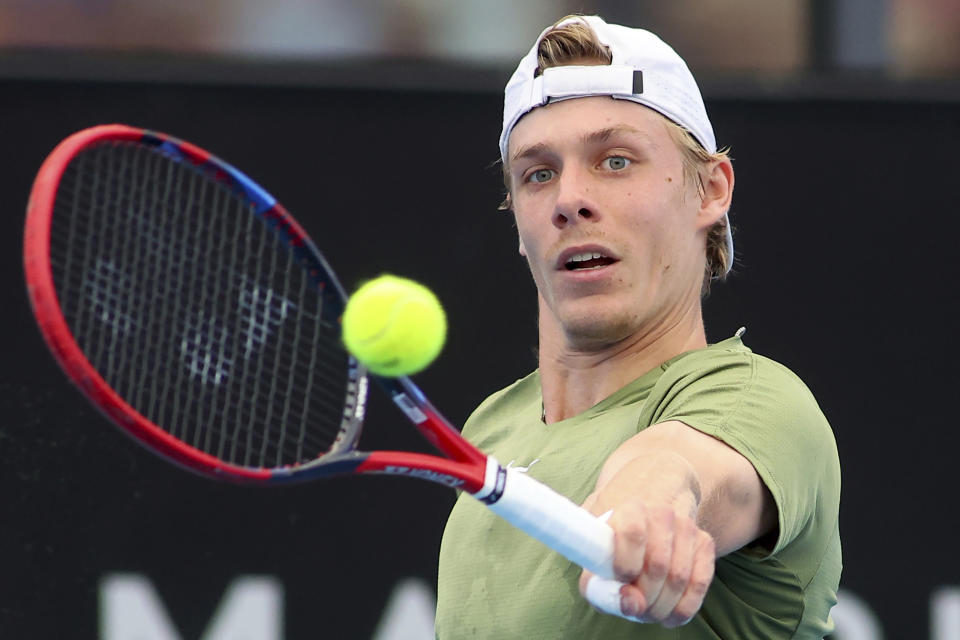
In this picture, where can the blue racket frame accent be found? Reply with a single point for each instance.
(274, 215)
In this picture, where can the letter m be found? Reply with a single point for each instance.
(130, 609)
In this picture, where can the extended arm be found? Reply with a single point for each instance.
(680, 499)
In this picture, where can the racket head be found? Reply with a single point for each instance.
(166, 282)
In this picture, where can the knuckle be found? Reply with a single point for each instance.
(677, 580)
(704, 568)
(657, 567)
(684, 523)
(665, 515)
(634, 530)
(698, 586)
(625, 572)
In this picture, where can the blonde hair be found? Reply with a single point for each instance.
(576, 43)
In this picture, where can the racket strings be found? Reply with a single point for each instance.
(194, 311)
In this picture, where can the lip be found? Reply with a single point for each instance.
(566, 254)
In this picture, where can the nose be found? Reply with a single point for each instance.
(573, 204)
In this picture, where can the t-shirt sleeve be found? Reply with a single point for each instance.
(765, 412)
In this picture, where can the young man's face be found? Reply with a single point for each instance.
(603, 177)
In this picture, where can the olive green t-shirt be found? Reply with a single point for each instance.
(496, 582)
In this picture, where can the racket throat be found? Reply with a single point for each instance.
(494, 482)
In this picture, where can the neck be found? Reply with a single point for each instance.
(573, 378)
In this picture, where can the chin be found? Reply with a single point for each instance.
(597, 330)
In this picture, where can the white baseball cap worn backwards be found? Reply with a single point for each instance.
(644, 69)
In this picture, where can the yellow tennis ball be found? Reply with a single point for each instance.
(395, 326)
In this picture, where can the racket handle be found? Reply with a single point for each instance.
(557, 522)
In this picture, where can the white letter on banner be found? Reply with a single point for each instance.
(410, 612)
(251, 609)
(945, 614)
(130, 608)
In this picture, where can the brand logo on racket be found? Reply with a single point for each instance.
(410, 408)
(208, 349)
(424, 474)
(354, 406)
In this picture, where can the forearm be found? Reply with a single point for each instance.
(699, 476)
(680, 499)
(658, 477)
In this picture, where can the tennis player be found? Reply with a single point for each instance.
(714, 465)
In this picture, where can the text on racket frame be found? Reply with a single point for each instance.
(424, 474)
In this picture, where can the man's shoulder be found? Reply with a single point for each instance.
(727, 386)
(731, 362)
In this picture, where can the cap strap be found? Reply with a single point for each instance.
(576, 81)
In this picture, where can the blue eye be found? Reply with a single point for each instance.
(616, 163)
(540, 175)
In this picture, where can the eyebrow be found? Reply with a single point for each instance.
(529, 151)
(603, 135)
(594, 137)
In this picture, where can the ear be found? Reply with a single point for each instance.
(717, 193)
(516, 225)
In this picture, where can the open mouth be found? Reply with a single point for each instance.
(587, 260)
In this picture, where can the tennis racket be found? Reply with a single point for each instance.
(191, 308)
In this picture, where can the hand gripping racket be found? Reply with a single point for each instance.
(193, 310)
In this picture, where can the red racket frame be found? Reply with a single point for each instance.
(466, 466)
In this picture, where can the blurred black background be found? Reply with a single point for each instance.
(846, 228)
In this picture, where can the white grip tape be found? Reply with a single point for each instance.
(557, 522)
(604, 595)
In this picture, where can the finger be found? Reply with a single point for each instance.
(585, 577)
(681, 566)
(701, 576)
(603, 594)
(611, 596)
(658, 552)
(629, 523)
(607, 596)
